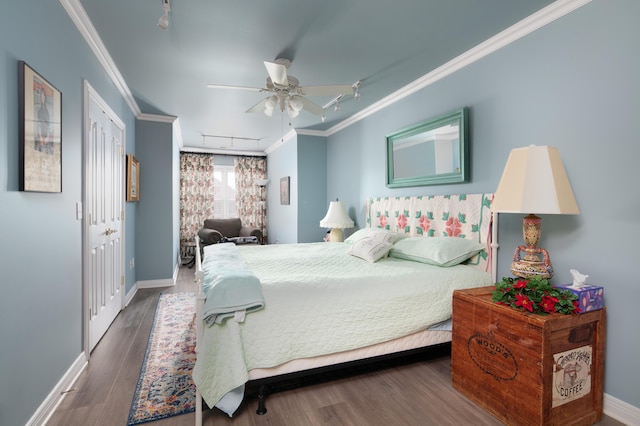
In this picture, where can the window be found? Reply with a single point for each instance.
(224, 192)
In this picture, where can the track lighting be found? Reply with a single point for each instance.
(163, 22)
(335, 102)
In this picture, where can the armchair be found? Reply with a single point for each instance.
(215, 230)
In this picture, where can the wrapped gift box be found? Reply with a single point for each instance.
(590, 297)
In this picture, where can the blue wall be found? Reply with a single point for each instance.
(572, 84)
(303, 158)
(40, 237)
(282, 220)
(156, 245)
(312, 185)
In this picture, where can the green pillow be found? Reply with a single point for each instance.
(439, 251)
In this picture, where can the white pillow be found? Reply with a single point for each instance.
(382, 234)
(439, 251)
(370, 249)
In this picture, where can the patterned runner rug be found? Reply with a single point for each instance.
(165, 387)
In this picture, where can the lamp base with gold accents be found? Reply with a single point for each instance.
(530, 265)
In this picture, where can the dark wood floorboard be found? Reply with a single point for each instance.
(417, 393)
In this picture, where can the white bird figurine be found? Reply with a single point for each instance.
(579, 280)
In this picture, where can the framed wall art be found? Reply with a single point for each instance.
(133, 178)
(284, 191)
(40, 132)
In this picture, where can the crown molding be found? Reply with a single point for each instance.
(280, 142)
(309, 132)
(515, 32)
(157, 117)
(81, 20)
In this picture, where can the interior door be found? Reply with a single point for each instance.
(104, 215)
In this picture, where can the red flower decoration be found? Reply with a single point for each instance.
(425, 223)
(454, 227)
(383, 221)
(524, 302)
(548, 304)
(402, 221)
(576, 307)
(520, 284)
(534, 295)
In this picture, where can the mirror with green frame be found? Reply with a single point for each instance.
(432, 152)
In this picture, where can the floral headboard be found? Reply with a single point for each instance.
(460, 216)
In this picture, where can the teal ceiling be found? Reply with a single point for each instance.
(384, 45)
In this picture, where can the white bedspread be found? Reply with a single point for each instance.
(320, 300)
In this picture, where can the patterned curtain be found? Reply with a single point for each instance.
(196, 196)
(248, 194)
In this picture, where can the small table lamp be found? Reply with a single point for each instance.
(533, 181)
(336, 219)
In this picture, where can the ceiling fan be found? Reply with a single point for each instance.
(287, 94)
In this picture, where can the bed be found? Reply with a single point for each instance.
(268, 312)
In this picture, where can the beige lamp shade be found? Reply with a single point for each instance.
(336, 219)
(534, 181)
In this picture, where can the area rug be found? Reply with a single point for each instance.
(165, 387)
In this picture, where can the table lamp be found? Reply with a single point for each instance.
(533, 181)
(336, 219)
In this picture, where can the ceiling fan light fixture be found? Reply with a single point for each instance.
(271, 102)
(293, 113)
(268, 111)
(296, 104)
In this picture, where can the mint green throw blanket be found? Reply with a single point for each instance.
(230, 287)
(321, 300)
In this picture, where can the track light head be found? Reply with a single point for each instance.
(163, 22)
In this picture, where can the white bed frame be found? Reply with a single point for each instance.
(418, 340)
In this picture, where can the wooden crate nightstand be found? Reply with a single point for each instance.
(528, 369)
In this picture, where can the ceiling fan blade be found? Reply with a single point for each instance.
(221, 86)
(312, 107)
(278, 73)
(338, 89)
(259, 107)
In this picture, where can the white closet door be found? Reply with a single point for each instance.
(104, 211)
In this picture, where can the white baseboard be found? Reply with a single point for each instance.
(55, 397)
(151, 284)
(130, 295)
(155, 283)
(169, 282)
(621, 411)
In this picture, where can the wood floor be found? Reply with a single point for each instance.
(418, 393)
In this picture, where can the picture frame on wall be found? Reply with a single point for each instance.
(40, 132)
(133, 178)
(284, 191)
